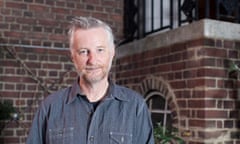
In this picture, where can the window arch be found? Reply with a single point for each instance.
(159, 108)
(161, 101)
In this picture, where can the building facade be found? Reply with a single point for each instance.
(182, 73)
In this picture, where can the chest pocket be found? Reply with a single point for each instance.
(120, 138)
(61, 136)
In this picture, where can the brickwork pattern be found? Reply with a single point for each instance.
(45, 22)
(196, 71)
(27, 76)
(34, 57)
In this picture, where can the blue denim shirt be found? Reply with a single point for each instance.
(66, 117)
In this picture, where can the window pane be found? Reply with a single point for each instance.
(157, 102)
(157, 118)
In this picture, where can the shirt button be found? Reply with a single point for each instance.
(91, 138)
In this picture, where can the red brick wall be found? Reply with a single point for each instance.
(34, 57)
(45, 22)
(196, 71)
(27, 75)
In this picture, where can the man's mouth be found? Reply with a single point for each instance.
(92, 68)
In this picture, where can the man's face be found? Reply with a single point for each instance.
(92, 54)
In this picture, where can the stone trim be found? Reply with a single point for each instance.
(205, 28)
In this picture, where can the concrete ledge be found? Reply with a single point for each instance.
(204, 28)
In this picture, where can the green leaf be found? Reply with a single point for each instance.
(164, 135)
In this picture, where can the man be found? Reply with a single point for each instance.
(93, 110)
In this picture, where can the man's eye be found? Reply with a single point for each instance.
(100, 50)
(83, 52)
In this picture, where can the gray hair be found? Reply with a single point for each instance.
(88, 23)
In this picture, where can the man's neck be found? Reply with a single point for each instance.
(94, 91)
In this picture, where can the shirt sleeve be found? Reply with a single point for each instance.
(144, 128)
(38, 130)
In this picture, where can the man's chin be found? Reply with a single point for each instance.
(93, 80)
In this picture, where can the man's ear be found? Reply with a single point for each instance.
(71, 55)
(113, 52)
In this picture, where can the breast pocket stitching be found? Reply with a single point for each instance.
(61, 136)
(120, 138)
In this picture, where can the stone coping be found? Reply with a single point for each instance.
(199, 29)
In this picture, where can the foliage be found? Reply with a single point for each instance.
(165, 136)
(233, 68)
(6, 109)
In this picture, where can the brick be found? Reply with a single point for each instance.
(51, 3)
(27, 21)
(182, 103)
(32, 87)
(20, 103)
(53, 74)
(21, 72)
(10, 71)
(28, 14)
(60, 10)
(202, 103)
(4, 26)
(208, 62)
(70, 5)
(60, 3)
(199, 82)
(209, 42)
(30, 1)
(16, 5)
(211, 134)
(178, 84)
(25, 42)
(178, 66)
(110, 3)
(212, 114)
(219, 124)
(216, 93)
(52, 66)
(33, 65)
(38, 8)
(42, 73)
(9, 94)
(228, 124)
(237, 45)
(228, 44)
(190, 74)
(28, 94)
(233, 54)
(37, 29)
(58, 45)
(202, 123)
(219, 43)
(194, 43)
(211, 72)
(32, 57)
(214, 52)
(11, 140)
(7, 132)
(57, 37)
(14, 34)
(17, 13)
(9, 86)
(21, 132)
(229, 104)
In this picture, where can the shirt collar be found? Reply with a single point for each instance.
(113, 92)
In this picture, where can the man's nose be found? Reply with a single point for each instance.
(92, 57)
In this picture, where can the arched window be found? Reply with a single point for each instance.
(159, 109)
